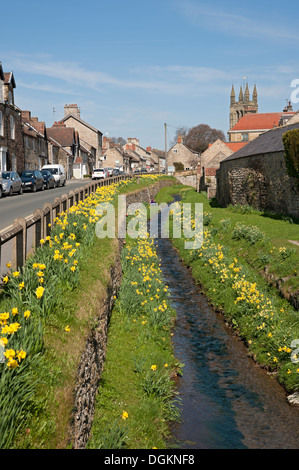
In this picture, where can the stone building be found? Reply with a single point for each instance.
(256, 175)
(68, 138)
(210, 162)
(11, 136)
(35, 142)
(251, 126)
(89, 134)
(180, 153)
(244, 106)
(113, 154)
(245, 123)
(58, 154)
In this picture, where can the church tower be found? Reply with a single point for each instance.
(244, 106)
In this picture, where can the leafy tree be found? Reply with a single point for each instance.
(291, 146)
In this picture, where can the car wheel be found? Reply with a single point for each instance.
(10, 191)
(43, 187)
(34, 188)
(21, 190)
(47, 186)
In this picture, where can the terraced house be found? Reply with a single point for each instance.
(35, 142)
(11, 137)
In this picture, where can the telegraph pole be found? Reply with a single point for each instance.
(166, 166)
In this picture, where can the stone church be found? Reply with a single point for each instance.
(238, 109)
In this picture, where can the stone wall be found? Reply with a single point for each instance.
(93, 357)
(260, 181)
(189, 180)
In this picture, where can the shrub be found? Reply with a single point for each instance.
(250, 233)
(291, 146)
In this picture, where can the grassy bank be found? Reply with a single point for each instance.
(48, 308)
(239, 244)
(136, 398)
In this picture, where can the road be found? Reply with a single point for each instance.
(23, 205)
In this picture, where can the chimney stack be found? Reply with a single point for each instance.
(71, 109)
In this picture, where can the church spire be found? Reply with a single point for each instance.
(232, 96)
(241, 94)
(247, 94)
(254, 95)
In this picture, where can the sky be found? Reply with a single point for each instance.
(132, 66)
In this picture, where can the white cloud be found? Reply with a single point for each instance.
(210, 18)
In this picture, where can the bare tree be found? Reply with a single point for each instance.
(118, 140)
(199, 137)
(183, 131)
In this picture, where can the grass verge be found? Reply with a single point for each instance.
(136, 398)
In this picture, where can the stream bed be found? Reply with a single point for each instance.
(226, 400)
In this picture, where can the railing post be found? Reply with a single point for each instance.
(38, 233)
(71, 199)
(19, 243)
(48, 217)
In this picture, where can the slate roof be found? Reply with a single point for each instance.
(63, 135)
(268, 142)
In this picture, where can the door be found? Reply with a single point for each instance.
(3, 165)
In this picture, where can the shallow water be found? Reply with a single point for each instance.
(227, 401)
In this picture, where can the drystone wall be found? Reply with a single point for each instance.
(93, 358)
(260, 181)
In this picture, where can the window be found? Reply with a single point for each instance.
(175, 150)
(12, 127)
(1, 123)
(13, 162)
(245, 137)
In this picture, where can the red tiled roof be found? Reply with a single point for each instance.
(210, 171)
(258, 121)
(234, 146)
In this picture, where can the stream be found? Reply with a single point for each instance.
(226, 400)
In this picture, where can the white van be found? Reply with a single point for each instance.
(58, 172)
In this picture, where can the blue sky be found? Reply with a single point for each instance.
(131, 66)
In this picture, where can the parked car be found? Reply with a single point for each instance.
(11, 183)
(49, 180)
(99, 173)
(109, 171)
(33, 180)
(58, 172)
